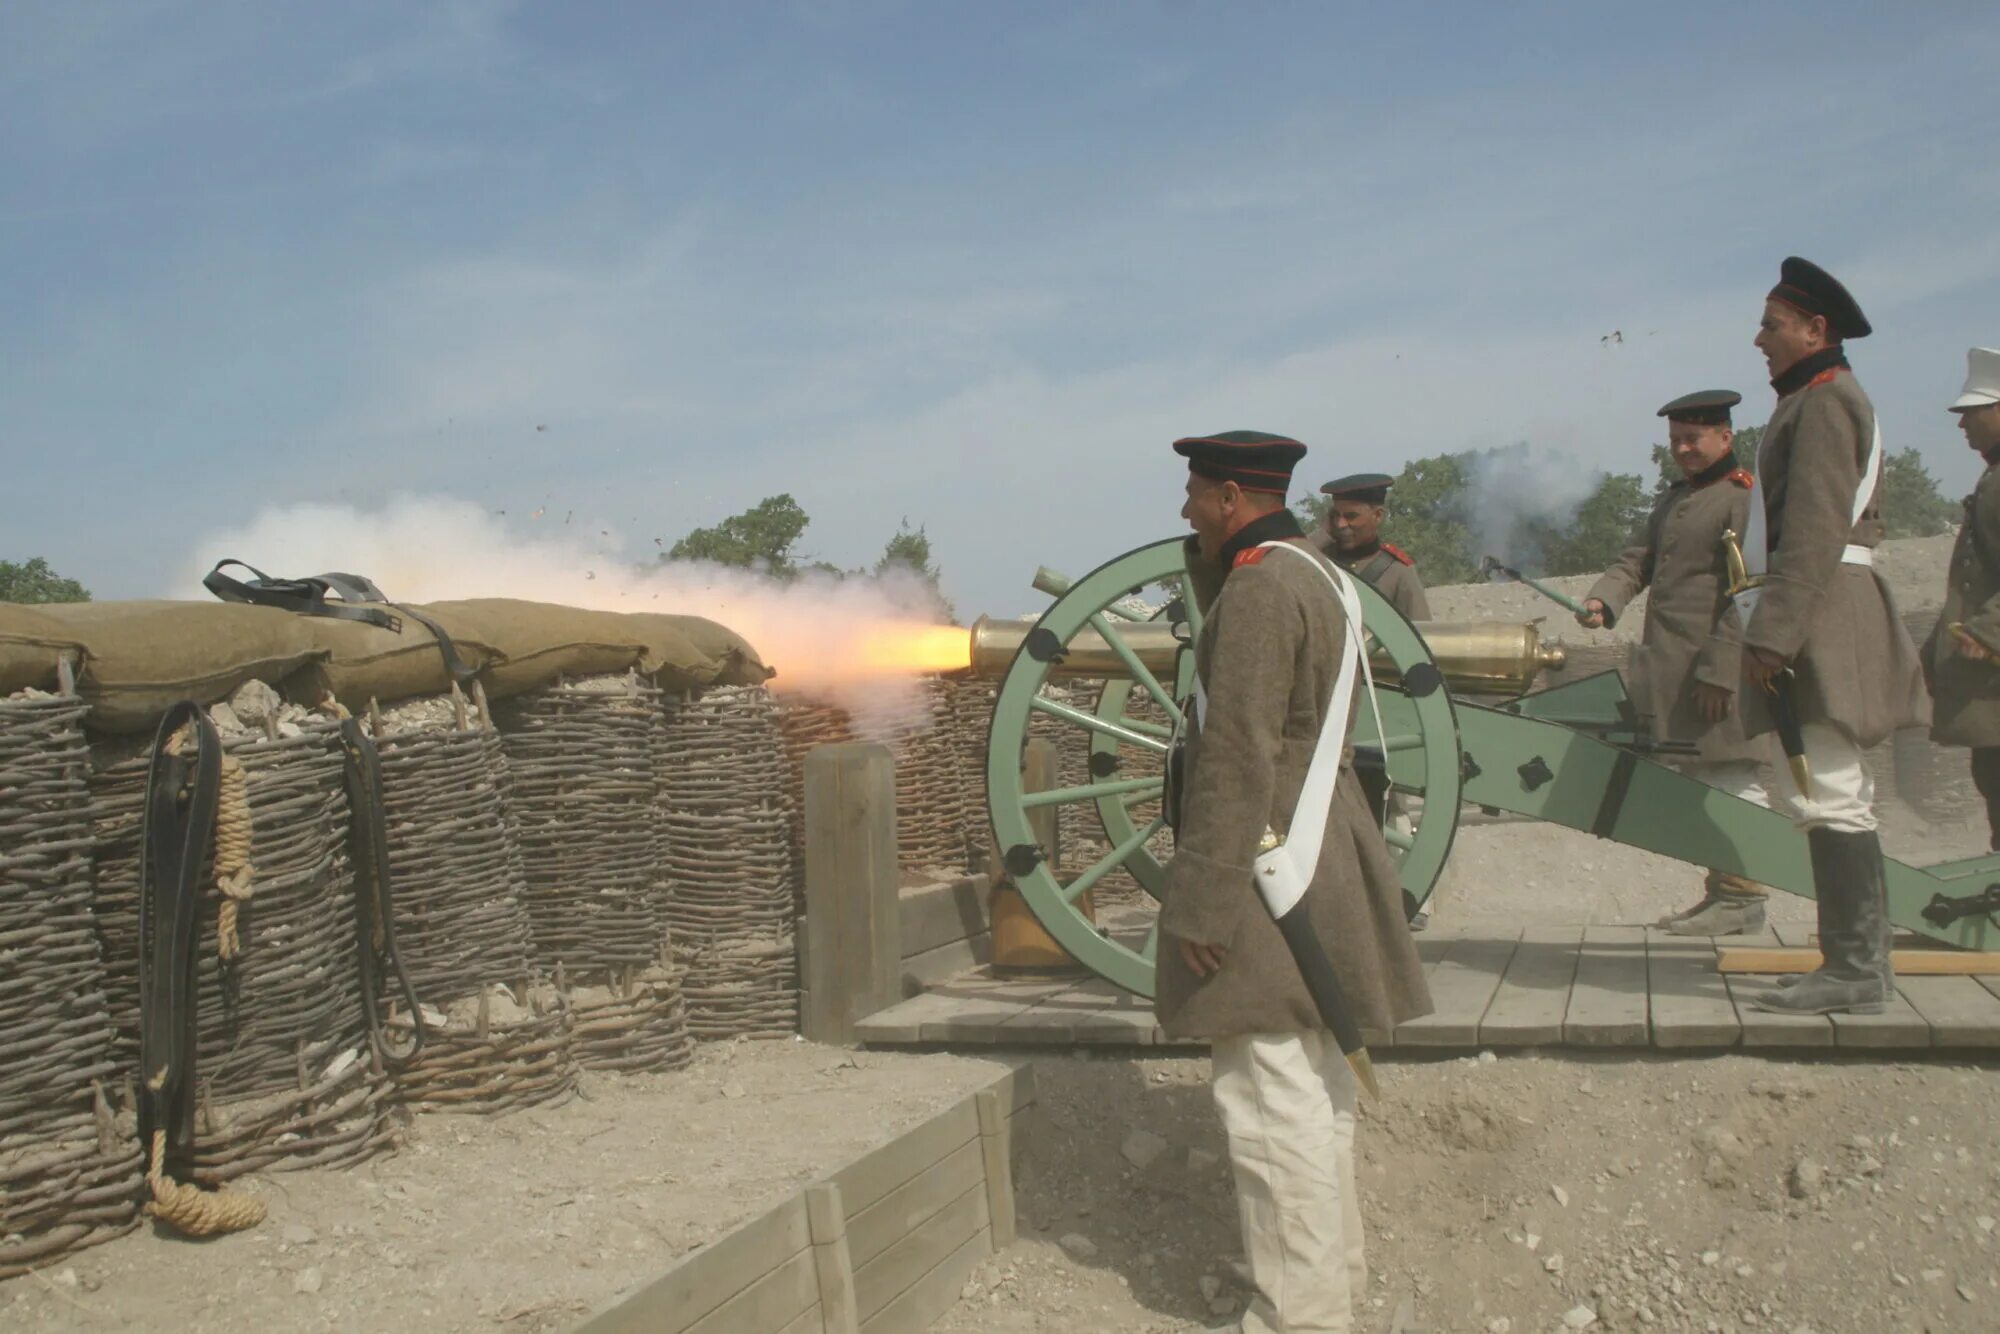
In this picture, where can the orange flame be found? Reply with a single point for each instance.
(901, 649)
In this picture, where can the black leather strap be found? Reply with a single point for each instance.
(368, 836)
(359, 600)
(179, 826)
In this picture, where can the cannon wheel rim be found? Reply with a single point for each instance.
(1420, 723)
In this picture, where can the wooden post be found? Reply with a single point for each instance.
(831, 1261)
(995, 1150)
(1041, 771)
(853, 924)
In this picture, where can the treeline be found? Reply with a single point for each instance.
(766, 538)
(1444, 512)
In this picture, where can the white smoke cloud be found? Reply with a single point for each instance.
(824, 635)
(1518, 490)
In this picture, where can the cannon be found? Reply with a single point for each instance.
(1572, 755)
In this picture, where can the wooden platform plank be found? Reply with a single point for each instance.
(934, 915)
(1960, 1012)
(903, 1023)
(1093, 1013)
(1900, 1027)
(1762, 1030)
(1687, 1000)
(1909, 963)
(1607, 999)
(1533, 996)
(1462, 986)
(987, 1003)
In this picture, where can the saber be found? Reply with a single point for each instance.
(1493, 569)
(1784, 697)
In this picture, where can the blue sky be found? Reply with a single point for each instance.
(969, 265)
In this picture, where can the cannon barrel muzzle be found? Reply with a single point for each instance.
(1476, 657)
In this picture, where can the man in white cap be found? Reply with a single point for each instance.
(1962, 659)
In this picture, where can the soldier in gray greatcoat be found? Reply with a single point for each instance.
(1822, 627)
(1962, 657)
(1351, 536)
(1269, 651)
(1688, 661)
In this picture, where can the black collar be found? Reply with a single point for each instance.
(1359, 554)
(1992, 456)
(1277, 526)
(1714, 472)
(1801, 374)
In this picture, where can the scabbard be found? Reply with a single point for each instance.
(1791, 736)
(1323, 984)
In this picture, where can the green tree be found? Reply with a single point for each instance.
(1912, 505)
(762, 538)
(910, 549)
(33, 581)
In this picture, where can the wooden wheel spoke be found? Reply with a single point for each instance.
(1110, 861)
(1131, 732)
(1063, 796)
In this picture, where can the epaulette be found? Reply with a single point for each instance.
(1254, 556)
(1399, 554)
(1743, 478)
(1827, 376)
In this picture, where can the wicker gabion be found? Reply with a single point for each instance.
(930, 790)
(67, 1179)
(461, 910)
(635, 1021)
(488, 1053)
(923, 740)
(286, 1078)
(581, 754)
(971, 726)
(805, 722)
(730, 903)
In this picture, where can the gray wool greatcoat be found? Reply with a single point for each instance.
(1268, 654)
(1968, 692)
(1387, 570)
(1834, 622)
(1692, 634)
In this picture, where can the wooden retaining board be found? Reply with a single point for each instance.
(906, 1224)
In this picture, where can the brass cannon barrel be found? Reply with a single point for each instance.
(1476, 657)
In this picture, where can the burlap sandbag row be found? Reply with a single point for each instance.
(137, 658)
(518, 646)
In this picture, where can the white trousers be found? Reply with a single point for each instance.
(1287, 1104)
(1843, 791)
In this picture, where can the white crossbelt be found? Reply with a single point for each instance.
(1756, 547)
(1284, 872)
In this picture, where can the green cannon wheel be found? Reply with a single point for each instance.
(1130, 732)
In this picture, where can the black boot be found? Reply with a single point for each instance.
(1851, 888)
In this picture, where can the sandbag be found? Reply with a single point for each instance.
(30, 644)
(691, 653)
(141, 657)
(536, 642)
(356, 662)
